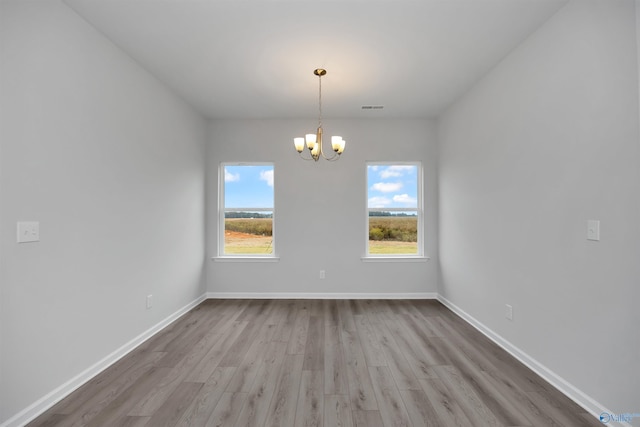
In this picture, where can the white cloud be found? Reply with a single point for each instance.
(386, 187)
(231, 177)
(267, 176)
(396, 171)
(379, 202)
(405, 199)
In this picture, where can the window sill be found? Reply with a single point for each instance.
(245, 259)
(395, 258)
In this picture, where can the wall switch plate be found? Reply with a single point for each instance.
(508, 312)
(593, 230)
(149, 301)
(28, 231)
(322, 275)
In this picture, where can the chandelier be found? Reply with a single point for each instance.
(314, 141)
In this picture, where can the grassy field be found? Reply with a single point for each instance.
(390, 235)
(387, 235)
(392, 248)
(248, 236)
(240, 243)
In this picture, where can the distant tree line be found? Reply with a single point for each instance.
(247, 215)
(379, 213)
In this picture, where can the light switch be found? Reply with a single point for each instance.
(593, 230)
(28, 232)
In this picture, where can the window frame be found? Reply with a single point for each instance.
(222, 210)
(419, 209)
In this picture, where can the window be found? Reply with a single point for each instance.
(394, 209)
(246, 209)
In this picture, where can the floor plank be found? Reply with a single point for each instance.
(337, 411)
(335, 368)
(205, 401)
(298, 340)
(227, 410)
(241, 344)
(392, 409)
(445, 404)
(175, 406)
(258, 353)
(346, 315)
(125, 401)
(360, 387)
(314, 348)
(256, 405)
(467, 398)
(282, 411)
(370, 345)
(287, 323)
(227, 336)
(310, 408)
(419, 363)
(420, 409)
(400, 369)
(95, 399)
(367, 419)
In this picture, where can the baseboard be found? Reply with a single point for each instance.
(46, 402)
(325, 295)
(589, 404)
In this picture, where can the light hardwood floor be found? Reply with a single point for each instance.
(317, 363)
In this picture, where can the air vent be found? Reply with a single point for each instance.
(372, 107)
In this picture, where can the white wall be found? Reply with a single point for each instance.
(320, 207)
(548, 140)
(111, 165)
(638, 41)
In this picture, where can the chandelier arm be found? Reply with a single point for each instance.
(306, 158)
(332, 158)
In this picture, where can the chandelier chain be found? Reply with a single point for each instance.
(320, 101)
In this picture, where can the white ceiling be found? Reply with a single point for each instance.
(255, 58)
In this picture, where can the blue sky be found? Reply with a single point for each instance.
(392, 186)
(388, 186)
(248, 186)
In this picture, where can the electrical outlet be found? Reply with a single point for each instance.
(322, 276)
(508, 312)
(149, 301)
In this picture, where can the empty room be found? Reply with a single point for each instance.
(329, 213)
